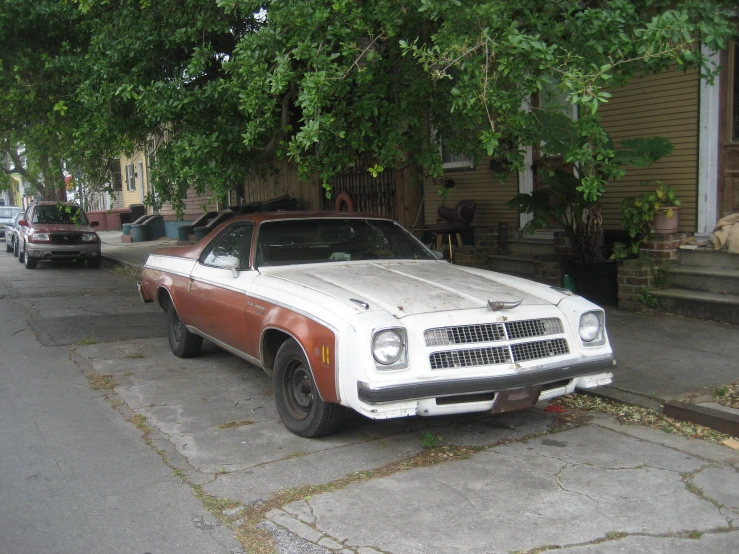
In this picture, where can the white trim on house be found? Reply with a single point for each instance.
(526, 182)
(708, 150)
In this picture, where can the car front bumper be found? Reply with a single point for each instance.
(50, 251)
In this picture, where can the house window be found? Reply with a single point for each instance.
(115, 170)
(130, 177)
(735, 95)
(450, 160)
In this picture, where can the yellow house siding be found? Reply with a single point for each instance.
(129, 197)
(664, 105)
(479, 184)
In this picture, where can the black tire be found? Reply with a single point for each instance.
(15, 248)
(29, 262)
(21, 255)
(300, 406)
(8, 247)
(94, 262)
(183, 343)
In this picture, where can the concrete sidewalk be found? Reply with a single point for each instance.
(661, 359)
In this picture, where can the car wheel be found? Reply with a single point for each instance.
(93, 262)
(21, 255)
(183, 343)
(15, 248)
(8, 247)
(29, 262)
(300, 406)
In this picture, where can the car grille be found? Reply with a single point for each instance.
(469, 358)
(65, 238)
(521, 352)
(512, 330)
(65, 253)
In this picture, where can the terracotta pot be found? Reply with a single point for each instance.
(664, 225)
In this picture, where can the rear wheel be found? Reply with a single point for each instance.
(300, 406)
(183, 343)
(8, 247)
(15, 248)
(21, 255)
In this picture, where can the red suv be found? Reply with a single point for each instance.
(57, 231)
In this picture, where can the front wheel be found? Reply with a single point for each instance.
(15, 248)
(8, 247)
(21, 255)
(28, 261)
(183, 343)
(300, 406)
(93, 262)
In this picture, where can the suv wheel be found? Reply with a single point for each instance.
(30, 262)
(21, 255)
(15, 248)
(8, 247)
(94, 262)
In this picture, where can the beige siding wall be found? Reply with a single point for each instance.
(283, 181)
(141, 181)
(479, 184)
(195, 206)
(664, 105)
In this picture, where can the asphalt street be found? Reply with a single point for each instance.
(76, 477)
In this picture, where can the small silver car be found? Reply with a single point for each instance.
(11, 234)
(7, 214)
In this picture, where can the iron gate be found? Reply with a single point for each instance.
(372, 195)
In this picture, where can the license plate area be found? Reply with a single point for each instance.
(515, 399)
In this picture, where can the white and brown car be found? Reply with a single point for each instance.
(350, 310)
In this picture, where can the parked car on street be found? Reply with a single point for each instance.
(7, 213)
(57, 231)
(353, 311)
(11, 234)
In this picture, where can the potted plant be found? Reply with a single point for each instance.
(570, 199)
(647, 214)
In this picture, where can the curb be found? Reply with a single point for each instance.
(122, 263)
(724, 421)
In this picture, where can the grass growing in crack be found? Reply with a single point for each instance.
(641, 416)
(136, 356)
(695, 535)
(86, 342)
(97, 381)
(140, 422)
(429, 440)
(727, 395)
(615, 535)
(232, 424)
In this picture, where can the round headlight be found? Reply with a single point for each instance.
(387, 347)
(589, 327)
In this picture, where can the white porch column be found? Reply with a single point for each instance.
(526, 182)
(708, 151)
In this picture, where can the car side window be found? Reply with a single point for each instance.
(231, 249)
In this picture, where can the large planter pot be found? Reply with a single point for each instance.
(598, 281)
(664, 225)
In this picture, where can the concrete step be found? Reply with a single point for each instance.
(719, 280)
(708, 258)
(531, 246)
(692, 303)
(513, 264)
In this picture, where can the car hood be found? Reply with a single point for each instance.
(61, 228)
(411, 288)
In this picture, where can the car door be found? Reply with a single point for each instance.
(218, 286)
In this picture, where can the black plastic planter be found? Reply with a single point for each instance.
(598, 281)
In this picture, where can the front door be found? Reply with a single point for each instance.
(218, 286)
(729, 154)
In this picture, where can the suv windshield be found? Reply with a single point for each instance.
(8, 213)
(310, 241)
(59, 214)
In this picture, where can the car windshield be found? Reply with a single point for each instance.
(310, 241)
(59, 214)
(8, 213)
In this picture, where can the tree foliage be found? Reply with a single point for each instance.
(224, 87)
